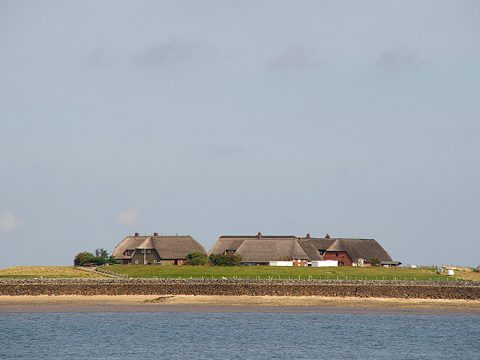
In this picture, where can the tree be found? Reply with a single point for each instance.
(101, 257)
(83, 258)
(196, 258)
(225, 259)
(374, 261)
(101, 253)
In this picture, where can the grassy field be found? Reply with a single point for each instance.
(265, 272)
(240, 272)
(30, 272)
(468, 275)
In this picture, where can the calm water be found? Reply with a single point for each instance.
(237, 336)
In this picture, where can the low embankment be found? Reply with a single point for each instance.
(380, 289)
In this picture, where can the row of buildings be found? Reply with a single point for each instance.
(254, 250)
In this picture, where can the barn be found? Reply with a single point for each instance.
(262, 249)
(356, 252)
(156, 249)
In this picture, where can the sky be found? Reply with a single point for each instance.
(357, 119)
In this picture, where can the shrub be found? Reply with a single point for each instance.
(374, 261)
(83, 258)
(101, 257)
(225, 259)
(196, 258)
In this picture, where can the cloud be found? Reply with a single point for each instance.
(170, 52)
(8, 222)
(128, 217)
(294, 58)
(398, 59)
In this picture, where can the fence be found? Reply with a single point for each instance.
(104, 271)
(311, 277)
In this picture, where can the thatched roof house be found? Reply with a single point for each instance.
(156, 249)
(262, 249)
(254, 251)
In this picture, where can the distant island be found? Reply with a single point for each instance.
(241, 267)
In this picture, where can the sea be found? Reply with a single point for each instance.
(239, 335)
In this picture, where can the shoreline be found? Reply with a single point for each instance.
(242, 303)
(243, 287)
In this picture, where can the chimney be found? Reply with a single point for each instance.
(327, 236)
(155, 234)
(259, 235)
(308, 236)
(137, 234)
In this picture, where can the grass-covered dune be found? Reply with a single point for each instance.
(47, 272)
(265, 272)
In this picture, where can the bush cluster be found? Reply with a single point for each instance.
(196, 258)
(225, 259)
(101, 257)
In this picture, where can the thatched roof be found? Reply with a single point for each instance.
(319, 243)
(233, 242)
(360, 248)
(265, 250)
(310, 249)
(167, 246)
(261, 248)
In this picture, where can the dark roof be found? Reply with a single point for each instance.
(320, 243)
(360, 248)
(233, 242)
(167, 247)
(309, 248)
(269, 248)
(265, 250)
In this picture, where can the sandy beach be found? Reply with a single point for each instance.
(191, 303)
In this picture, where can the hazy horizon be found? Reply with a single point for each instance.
(357, 119)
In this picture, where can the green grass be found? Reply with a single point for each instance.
(240, 272)
(266, 272)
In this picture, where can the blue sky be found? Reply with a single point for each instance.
(359, 119)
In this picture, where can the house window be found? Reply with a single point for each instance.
(149, 251)
(142, 251)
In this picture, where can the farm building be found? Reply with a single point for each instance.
(261, 250)
(156, 249)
